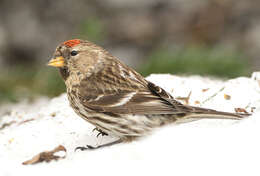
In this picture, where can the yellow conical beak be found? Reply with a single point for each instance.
(57, 62)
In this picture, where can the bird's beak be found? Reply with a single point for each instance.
(57, 62)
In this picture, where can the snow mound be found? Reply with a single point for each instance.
(204, 147)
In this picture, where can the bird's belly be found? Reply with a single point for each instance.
(122, 126)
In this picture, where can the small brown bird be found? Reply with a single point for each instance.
(117, 99)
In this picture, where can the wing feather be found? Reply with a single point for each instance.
(127, 101)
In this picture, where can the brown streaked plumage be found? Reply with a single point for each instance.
(114, 97)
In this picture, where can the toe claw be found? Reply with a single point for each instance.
(80, 148)
(100, 132)
(90, 147)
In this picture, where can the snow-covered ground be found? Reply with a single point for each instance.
(204, 147)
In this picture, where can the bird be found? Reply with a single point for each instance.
(115, 98)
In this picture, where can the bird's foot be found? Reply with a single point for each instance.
(90, 147)
(100, 132)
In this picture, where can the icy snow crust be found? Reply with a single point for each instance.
(204, 147)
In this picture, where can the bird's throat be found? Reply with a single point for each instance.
(64, 73)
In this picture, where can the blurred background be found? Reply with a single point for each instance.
(207, 37)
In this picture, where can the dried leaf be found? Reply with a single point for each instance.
(197, 102)
(47, 156)
(205, 90)
(227, 97)
(239, 110)
(252, 109)
(53, 114)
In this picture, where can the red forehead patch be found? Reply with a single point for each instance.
(71, 43)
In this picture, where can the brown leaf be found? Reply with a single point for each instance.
(53, 114)
(227, 97)
(239, 110)
(46, 156)
(252, 109)
(197, 102)
(205, 90)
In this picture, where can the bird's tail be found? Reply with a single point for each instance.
(204, 113)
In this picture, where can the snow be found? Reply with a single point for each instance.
(204, 147)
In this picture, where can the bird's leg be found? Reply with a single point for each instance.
(90, 147)
(100, 132)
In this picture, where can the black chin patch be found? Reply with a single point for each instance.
(64, 73)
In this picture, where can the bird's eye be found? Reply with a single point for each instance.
(73, 53)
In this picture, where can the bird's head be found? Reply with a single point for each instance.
(76, 56)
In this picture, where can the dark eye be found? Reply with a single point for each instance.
(73, 53)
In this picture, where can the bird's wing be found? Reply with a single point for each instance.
(152, 100)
